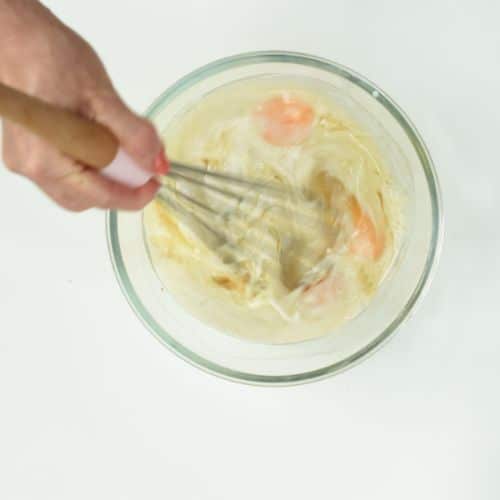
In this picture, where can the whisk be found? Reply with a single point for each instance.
(222, 223)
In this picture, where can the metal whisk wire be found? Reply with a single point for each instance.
(215, 225)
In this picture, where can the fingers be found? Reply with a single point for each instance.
(69, 184)
(28, 155)
(86, 189)
(137, 135)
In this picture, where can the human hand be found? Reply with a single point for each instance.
(59, 67)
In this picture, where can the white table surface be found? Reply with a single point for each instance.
(93, 407)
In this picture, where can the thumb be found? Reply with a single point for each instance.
(137, 136)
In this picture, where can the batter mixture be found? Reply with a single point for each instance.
(297, 275)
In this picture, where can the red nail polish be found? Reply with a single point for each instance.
(161, 164)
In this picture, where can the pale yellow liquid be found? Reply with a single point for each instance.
(264, 297)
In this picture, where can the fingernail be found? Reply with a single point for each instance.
(161, 164)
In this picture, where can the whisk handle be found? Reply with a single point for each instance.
(78, 137)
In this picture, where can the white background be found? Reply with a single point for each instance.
(93, 407)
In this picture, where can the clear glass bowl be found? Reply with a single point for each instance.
(249, 362)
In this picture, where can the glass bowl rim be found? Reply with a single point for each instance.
(432, 258)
